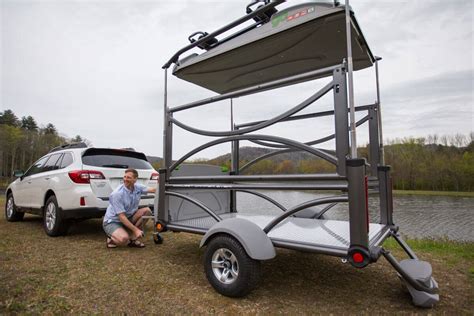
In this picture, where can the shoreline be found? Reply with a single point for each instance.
(434, 193)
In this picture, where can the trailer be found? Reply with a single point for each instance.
(271, 49)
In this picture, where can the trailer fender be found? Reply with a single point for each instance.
(254, 240)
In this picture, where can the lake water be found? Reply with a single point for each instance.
(417, 216)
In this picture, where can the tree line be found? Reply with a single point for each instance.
(435, 163)
(23, 141)
(432, 163)
(438, 163)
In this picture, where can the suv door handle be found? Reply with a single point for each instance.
(47, 178)
(29, 182)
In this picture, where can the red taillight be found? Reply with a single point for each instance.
(84, 176)
(357, 257)
(155, 176)
(82, 201)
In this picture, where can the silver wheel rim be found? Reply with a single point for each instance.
(225, 266)
(50, 216)
(10, 207)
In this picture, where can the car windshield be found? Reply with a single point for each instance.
(115, 158)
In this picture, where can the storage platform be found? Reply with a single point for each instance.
(293, 232)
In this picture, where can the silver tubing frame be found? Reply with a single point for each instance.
(308, 116)
(260, 88)
(302, 206)
(286, 141)
(379, 112)
(337, 187)
(263, 124)
(350, 83)
(278, 152)
(352, 175)
(265, 197)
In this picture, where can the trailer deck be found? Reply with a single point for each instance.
(293, 232)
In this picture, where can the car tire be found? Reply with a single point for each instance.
(53, 223)
(228, 267)
(11, 211)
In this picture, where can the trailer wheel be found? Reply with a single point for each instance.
(158, 239)
(228, 267)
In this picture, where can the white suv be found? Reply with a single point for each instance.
(74, 182)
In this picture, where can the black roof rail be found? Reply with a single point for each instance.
(67, 146)
(206, 38)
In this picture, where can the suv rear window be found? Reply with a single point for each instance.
(115, 158)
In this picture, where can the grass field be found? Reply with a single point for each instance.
(434, 193)
(77, 274)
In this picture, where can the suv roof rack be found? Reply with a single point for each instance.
(71, 145)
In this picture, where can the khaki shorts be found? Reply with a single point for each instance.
(110, 228)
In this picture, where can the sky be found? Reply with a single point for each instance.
(93, 68)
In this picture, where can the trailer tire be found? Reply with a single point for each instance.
(228, 267)
(157, 239)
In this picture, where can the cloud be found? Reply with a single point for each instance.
(94, 68)
(440, 104)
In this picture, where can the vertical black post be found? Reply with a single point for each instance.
(341, 120)
(234, 169)
(386, 199)
(162, 200)
(374, 153)
(358, 215)
(168, 146)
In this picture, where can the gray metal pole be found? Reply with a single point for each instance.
(340, 119)
(234, 162)
(350, 83)
(167, 132)
(232, 126)
(379, 112)
(162, 212)
(165, 119)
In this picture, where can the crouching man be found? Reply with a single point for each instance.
(123, 219)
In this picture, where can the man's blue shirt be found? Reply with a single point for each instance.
(122, 200)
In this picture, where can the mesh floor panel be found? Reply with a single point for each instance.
(327, 233)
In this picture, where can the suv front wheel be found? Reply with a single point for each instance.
(53, 223)
(11, 212)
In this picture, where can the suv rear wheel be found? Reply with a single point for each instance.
(11, 212)
(53, 223)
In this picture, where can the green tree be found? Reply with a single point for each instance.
(29, 123)
(77, 139)
(50, 129)
(7, 117)
(11, 138)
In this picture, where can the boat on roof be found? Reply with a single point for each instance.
(295, 40)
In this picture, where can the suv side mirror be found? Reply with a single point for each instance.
(18, 173)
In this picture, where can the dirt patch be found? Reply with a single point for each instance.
(77, 274)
